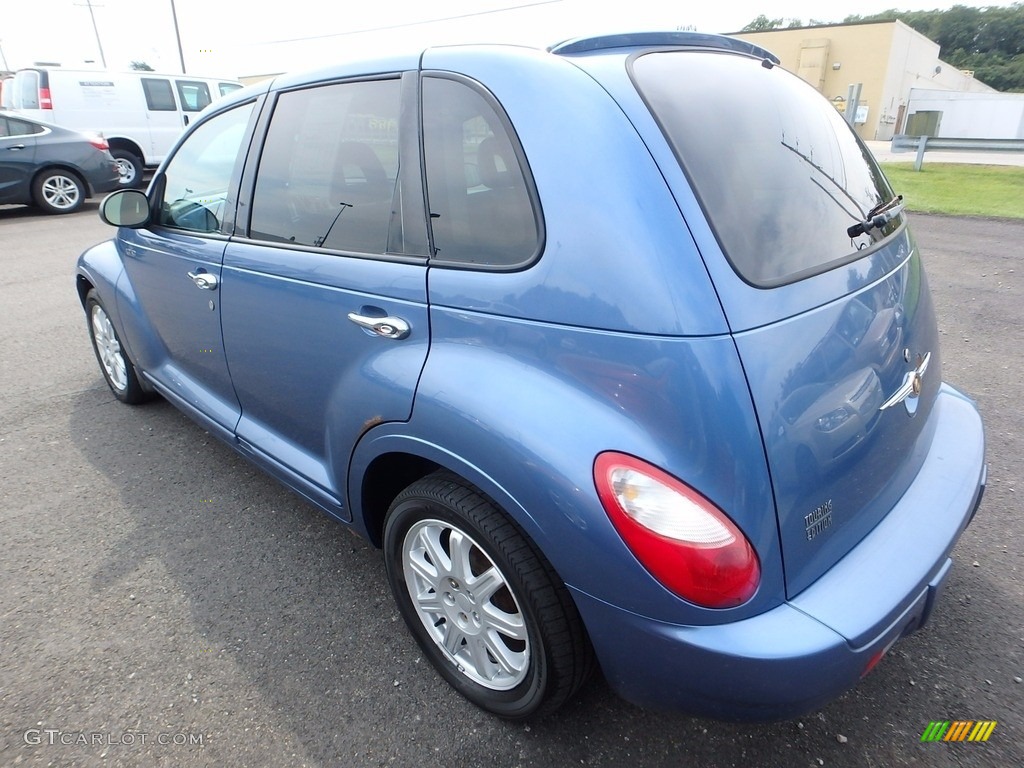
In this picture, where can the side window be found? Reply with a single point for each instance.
(481, 211)
(21, 128)
(199, 175)
(226, 88)
(328, 172)
(159, 97)
(194, 95)
(4, 130)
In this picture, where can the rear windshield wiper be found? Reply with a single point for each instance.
(878, 217)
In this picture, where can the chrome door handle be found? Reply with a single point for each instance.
(16, 146)
(204, 280)
(388, 327)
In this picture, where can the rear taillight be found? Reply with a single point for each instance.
(97, 140)
(45, 102)
(681, 538)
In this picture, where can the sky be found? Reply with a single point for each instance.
(230, 38)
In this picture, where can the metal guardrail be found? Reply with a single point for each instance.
(922, 144)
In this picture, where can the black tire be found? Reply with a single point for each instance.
(58, 191)
(528, 619)
(131, 168)
(117, 368)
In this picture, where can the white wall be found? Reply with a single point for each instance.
(972, 115)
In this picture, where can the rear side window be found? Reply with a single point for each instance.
(159, 97)
(481, 208)
(226, 88)
(194, 95)
(780, 175)
(328, 172)
(14, 127)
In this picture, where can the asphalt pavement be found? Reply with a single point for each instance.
(163, 603)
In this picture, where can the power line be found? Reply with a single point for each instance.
(411, 23)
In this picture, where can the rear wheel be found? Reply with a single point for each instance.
(487, 610)
(58, 191)
(130, 167)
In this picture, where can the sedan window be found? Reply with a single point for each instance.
(12, 127)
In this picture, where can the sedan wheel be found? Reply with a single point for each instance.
(58, 192)
(487, 610)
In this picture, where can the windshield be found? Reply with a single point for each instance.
(781, 177)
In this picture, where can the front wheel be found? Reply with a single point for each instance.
(488, 611)
(114, 363)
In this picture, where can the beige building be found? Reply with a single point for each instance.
(887, 58)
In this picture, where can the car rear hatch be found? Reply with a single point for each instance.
(832, 317)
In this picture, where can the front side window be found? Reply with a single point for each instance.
(198, 177)
(780, 175)
(481, 211)
(159, 97)
(329, 167)
(194, 95)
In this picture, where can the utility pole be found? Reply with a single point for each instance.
(6, 68)
(177, 36)
(95, 29)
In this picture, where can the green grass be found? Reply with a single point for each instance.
(960, 189)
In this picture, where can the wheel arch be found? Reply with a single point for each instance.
(391, 457)
(69, 169)
(128, 145)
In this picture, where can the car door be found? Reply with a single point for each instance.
(324, 302)
(194, 96)
(17, 159)
(174, 268)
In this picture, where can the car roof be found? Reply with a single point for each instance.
(409, 59)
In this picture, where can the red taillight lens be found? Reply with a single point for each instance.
(681, 538)
(98, 141)
(45, 102)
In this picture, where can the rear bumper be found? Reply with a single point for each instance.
(809, 650)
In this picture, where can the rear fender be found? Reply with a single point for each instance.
(527, 431)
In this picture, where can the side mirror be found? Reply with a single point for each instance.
(125, 208)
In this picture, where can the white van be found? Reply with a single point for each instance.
(141, 114)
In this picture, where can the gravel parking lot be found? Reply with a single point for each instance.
(164, 603)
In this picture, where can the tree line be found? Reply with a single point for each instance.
(989, 40)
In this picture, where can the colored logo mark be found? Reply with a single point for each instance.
(958, 730)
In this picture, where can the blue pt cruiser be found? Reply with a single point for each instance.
(622, 352)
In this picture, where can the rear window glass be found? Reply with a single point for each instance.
(28, 89)
(779, 173)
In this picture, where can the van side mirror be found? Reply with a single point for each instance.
(125, 208)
